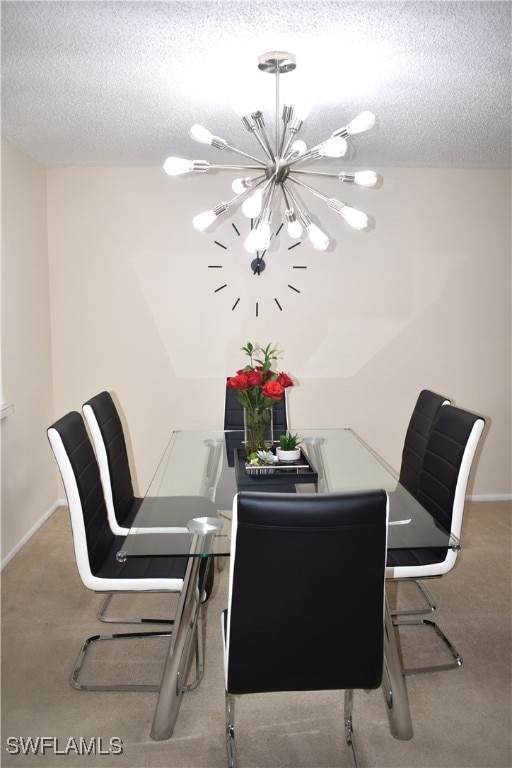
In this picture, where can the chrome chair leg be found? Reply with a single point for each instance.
(230, 730)
(115, 620)
(115, 687)
(349, 731)
(432, 605)
(457, 662)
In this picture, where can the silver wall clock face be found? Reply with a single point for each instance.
(274, 269)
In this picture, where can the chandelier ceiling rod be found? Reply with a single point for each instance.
(279, 168)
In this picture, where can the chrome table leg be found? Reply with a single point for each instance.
(185, 627)
(393, 685)
(178, 655)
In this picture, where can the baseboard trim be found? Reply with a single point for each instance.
(491, 497)
(14, 551)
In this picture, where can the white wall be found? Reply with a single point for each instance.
(29, 482)
(422, 300)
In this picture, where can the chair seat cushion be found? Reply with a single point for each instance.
(407, 557)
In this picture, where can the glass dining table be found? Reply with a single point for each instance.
(198, 476)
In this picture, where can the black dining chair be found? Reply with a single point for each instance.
(442, 484)
(106, 429)
(418, 431)
(96, 546)
(312, 617)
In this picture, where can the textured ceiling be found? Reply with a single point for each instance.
(120, 83)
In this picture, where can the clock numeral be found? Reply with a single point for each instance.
(293, 288)
(278, 304)
(294, 245)
(214, 266)
(298, 266)
(220, 288)
(221, 245)
(236, 230)
(256, 309)
(236, 302)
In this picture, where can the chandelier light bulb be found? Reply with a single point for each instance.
(362, 122)
(365, 178)
(203, 220)
(242, 185)
(175, 166)
(298, 148)
(336, 146)
(356, 219)
(201, 134)
(251, 207)
(319, 239)
(258, 239)
(295, 229)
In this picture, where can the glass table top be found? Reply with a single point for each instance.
(189, 500)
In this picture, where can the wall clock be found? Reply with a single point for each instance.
(276, 273)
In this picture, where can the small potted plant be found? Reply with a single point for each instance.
(260, 463)
(288, 449)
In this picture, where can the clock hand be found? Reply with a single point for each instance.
(257, 264)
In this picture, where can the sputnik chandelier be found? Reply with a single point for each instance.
(279, 176)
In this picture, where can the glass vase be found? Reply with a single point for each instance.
(258, 429)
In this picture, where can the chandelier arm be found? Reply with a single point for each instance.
(220, 166)
(265, 213)
(268, 202)
(245, 193)
(304, 216)
(281, 153)
(245, 154)
(311, 154)
(266, 143)
(319, 173)
(288, 193)
(363, 178)
(262, 144)
(285, 195)
(288, 142)
(310, 189)
(357, 219)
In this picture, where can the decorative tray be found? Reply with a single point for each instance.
(282, 473)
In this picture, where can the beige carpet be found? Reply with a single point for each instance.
(461, 718)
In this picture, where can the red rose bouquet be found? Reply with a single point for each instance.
(258, 388)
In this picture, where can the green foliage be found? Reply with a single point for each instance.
(289, 442)
(267, 355)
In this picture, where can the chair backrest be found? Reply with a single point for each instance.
(109, 442)
(306, 592)
(448, 458)
(418, 431)
(92, 537)
(234, 419)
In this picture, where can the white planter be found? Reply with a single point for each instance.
(288, 455)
